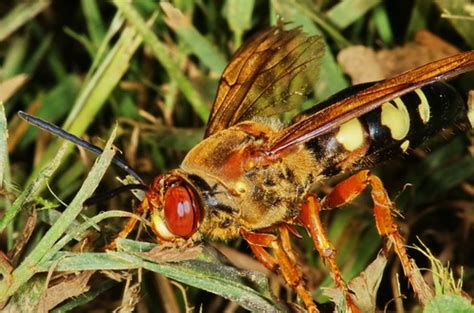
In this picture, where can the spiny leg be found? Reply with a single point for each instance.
(310, 218)
(286, 242)
(350, 188)
(282, 260)
(257, 243)
(128, 228)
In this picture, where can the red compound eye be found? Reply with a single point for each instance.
(181, 211)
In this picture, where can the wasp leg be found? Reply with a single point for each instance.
(282, 260)
(309, 217)
(350, 188)
(128, 228)
(257, 242)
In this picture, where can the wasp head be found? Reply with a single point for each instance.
(174, 206)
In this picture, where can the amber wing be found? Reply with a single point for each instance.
(269, 74)
(368, 99)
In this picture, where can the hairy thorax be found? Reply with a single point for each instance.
(237, 191)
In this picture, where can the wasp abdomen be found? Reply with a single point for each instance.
(389, 130)
(408, 121)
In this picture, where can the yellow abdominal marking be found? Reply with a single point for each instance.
(396, 118)
(351, 135)
(423, 107)
(404, 146)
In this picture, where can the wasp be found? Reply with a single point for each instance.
(254, 177)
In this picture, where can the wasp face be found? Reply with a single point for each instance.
(175, 210)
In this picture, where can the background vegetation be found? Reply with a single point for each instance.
(144, 74)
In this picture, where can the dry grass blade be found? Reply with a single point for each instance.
(70, 286)
(10, 86)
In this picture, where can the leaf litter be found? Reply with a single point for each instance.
(365, 64)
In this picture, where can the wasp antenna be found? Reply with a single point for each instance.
(58, 131)
(112, 193)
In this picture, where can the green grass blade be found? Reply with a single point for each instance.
(445, 179)
(382, 24)
(347, 12)
(22, 13)
(28, 297)
(95, 26)
(4, 161)
(40, 51)
(419, 17)
(163, 56)
(58, 100)
(115, 26)
(449, 303)
(15, 57)
(33, 188)
(216, 278)
(199, 45)
(95, 92)
(5, 180)
(458, 14)
(331, 76)
(239, 17)
(29, 266)
(316, 17)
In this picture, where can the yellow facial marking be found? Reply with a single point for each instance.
(404, 146)
(161, 228)
(396, 118)
(423, 107)
(351, 135)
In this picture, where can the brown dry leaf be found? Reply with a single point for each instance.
(5, 273)
(417, 280)
(361, 64)
(10, 86)
(426, 48)
(174, 18)
(116, 275)
(428, 39)
(364, 64)
(71, 287)
(364, 286)
(24, 237)
(169, 253)
(130, 297)
(19, 127)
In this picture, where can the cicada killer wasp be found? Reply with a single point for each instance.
(253, 177)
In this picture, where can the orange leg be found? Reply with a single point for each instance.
(350, 188)
(257, 242)
(309, 217)
(128, 228)
(283, 259)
